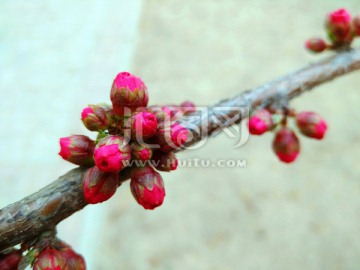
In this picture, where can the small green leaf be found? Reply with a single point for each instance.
(28, 259)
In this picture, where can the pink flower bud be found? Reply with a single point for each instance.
(356, 25)
(99, 186)
(95, 118)
(140, 152)
(188, 107)
(74, 261)
(164, 161)
(77, 149)
(11, 260)
(311, 125)
(340, 16)
(171, 137)
(316, 45)
(339, 27)
(50, 259)
(286, 145)
(260, 122)
(147, 187)
(128, 91)
(143, 125)
(112, 154)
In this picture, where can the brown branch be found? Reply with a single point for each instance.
(43, 210)
(286, 87)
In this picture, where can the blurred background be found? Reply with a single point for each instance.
(58, 56)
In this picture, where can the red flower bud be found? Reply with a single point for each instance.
(188, 107)
(286, 145)
(77, 149)
(171, 137)
(74, 261)
(99, 186)
(316, 45)
(140, 152)
(112, 154)
(50, 259)
(339, 27)
(147, 187)
(143, 125)
(128, 91)
(95, 118)
(356, 25)
(10, 261)
(260, 122)
(311, 125)
(165, 161)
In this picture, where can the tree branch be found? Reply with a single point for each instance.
(43, 210)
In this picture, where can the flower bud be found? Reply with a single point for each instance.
(188, 107)
(116, 123)
(11, 260)
(171, 137)
(50, 259)
(99, 186)
(260, 122)
(286, 145)
(143, 125)
(356, 25)
(95, 118)
(147, 187)
(128, 91)
(140, 152)
(316, 45)
(74, 261)
(338, 25)
(311, 125)
(77, 149)
(164, 161)
(112, 154)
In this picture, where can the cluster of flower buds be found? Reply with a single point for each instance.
(59, 257)
(341, 29)
(132, 136)
(10, 260)
(286, 144)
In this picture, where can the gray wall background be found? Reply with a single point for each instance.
(57, 57)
